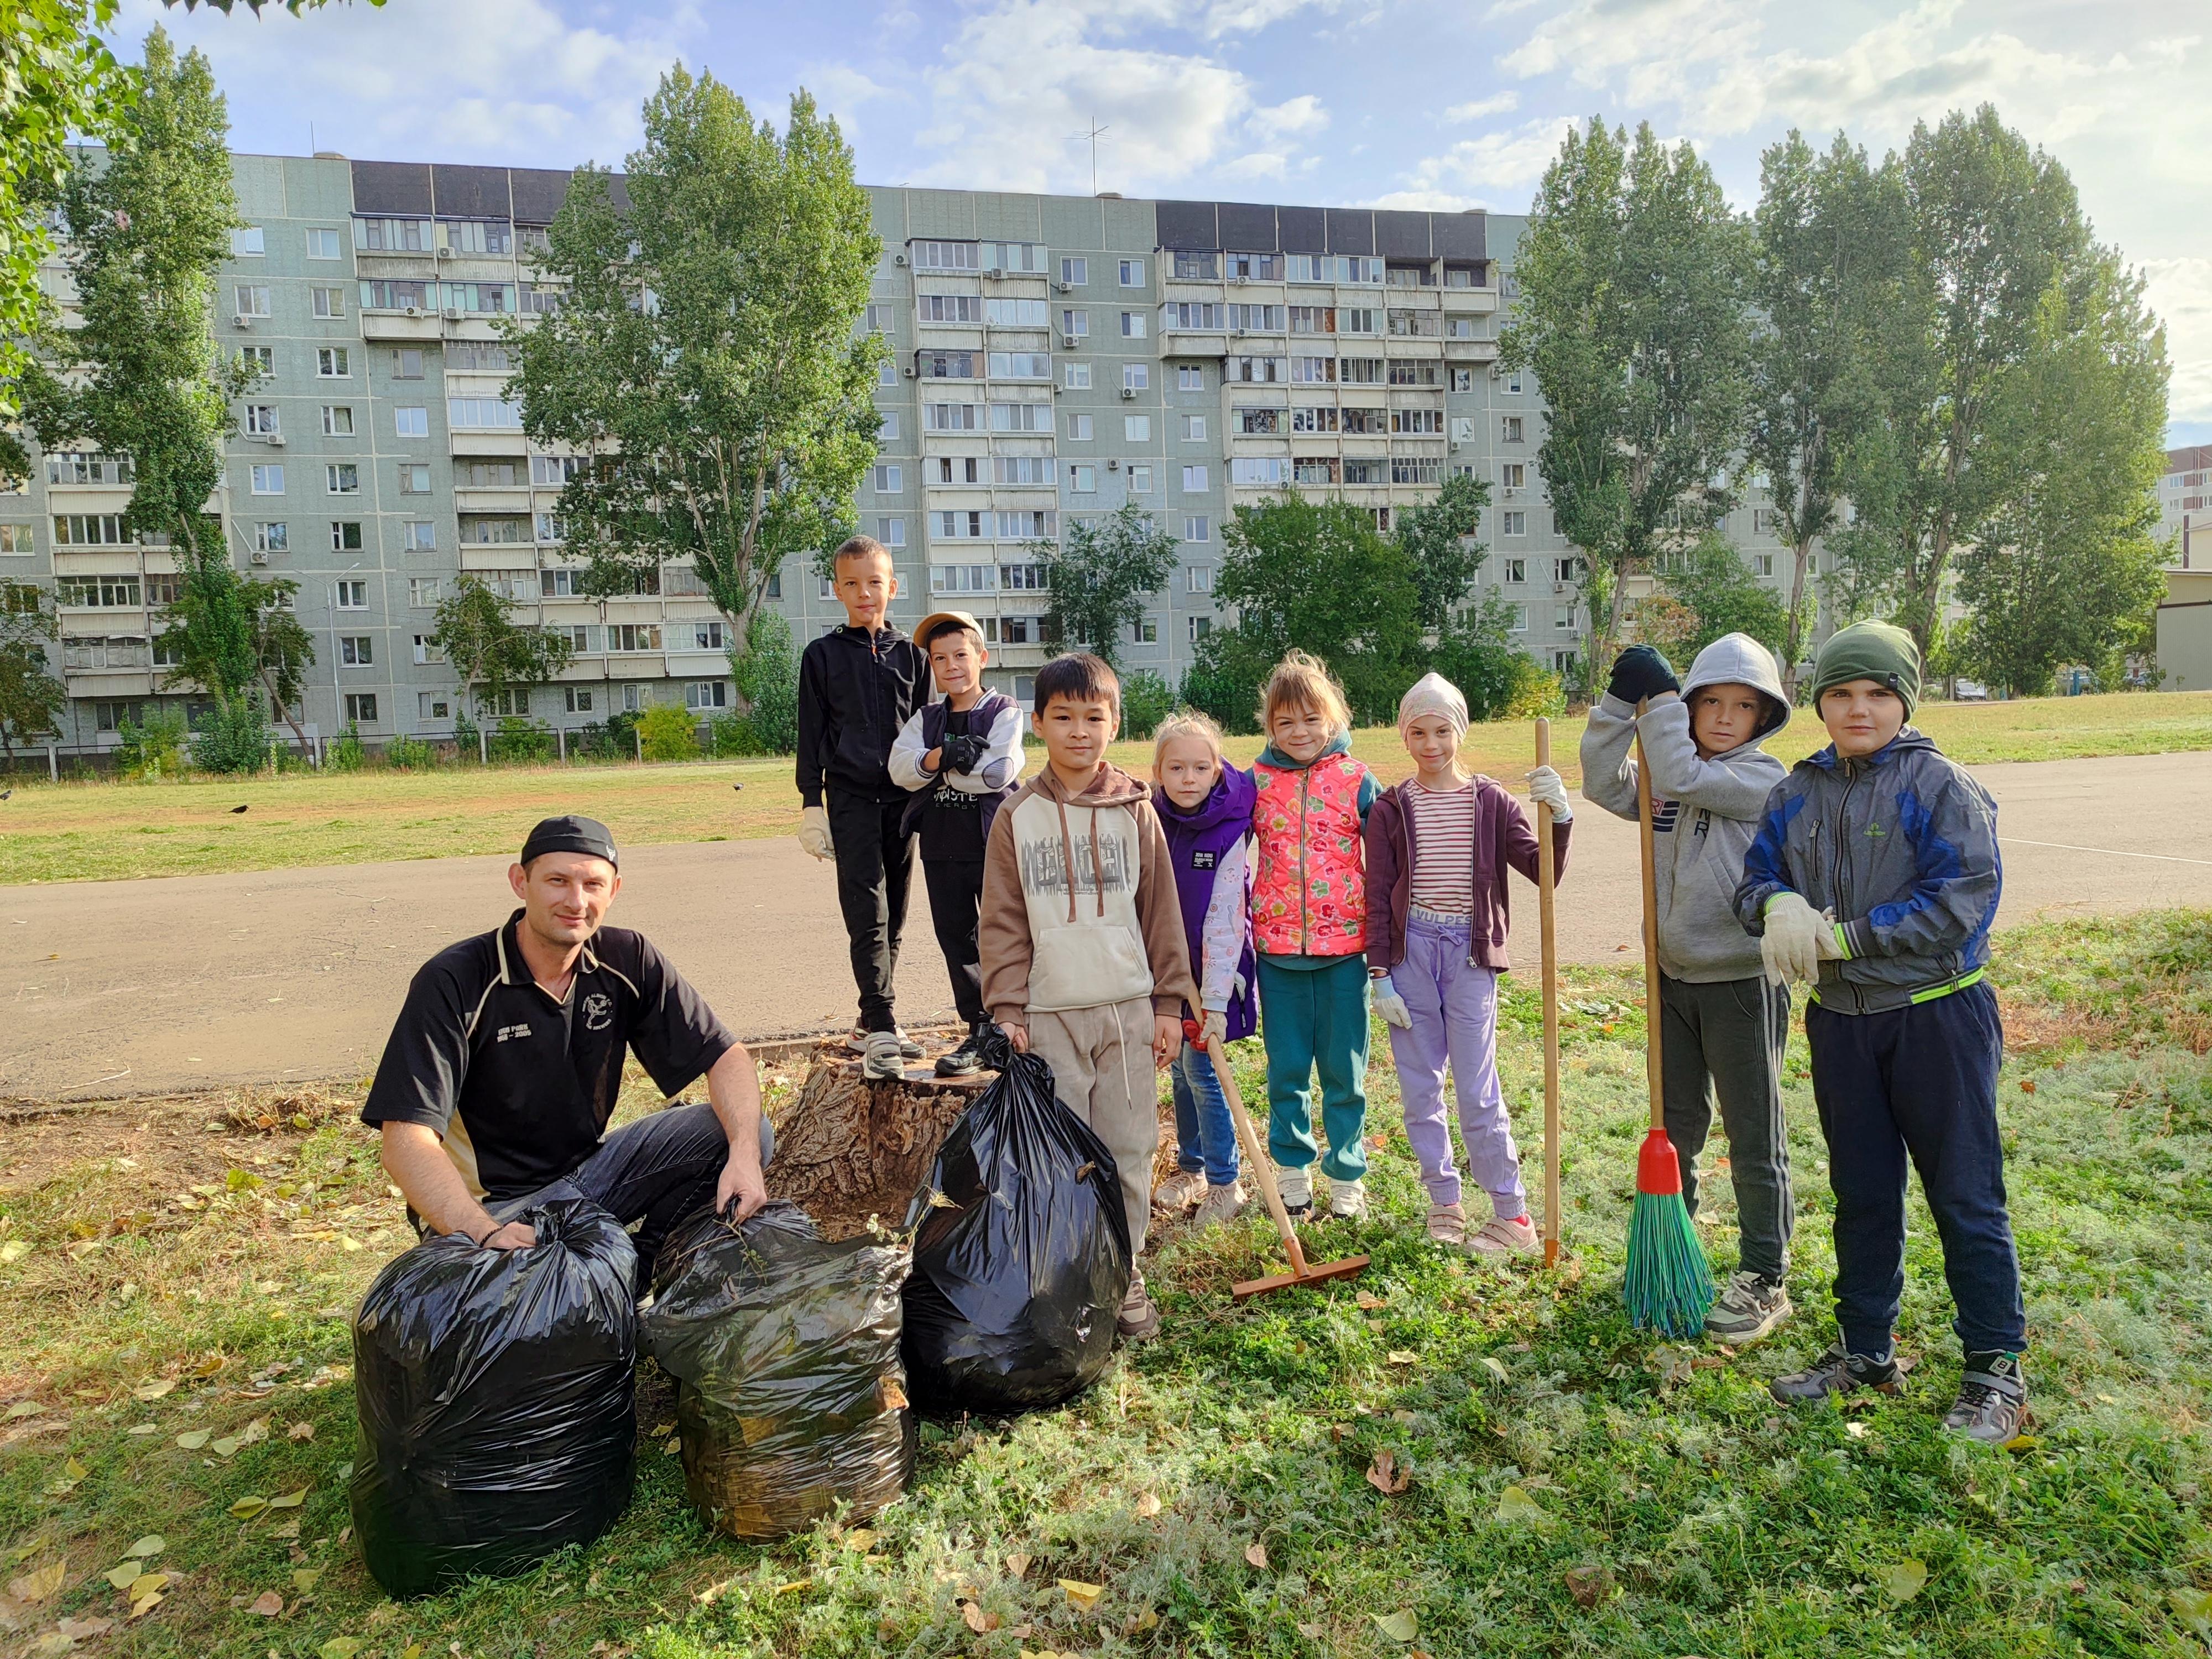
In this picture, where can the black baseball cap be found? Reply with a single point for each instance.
(571, 834)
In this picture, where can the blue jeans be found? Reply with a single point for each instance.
(1206, 1135)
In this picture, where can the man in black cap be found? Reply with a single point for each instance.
(502, 1070)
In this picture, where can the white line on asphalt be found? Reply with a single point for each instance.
(2109, 852)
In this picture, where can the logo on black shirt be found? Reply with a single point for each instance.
(1203, 860)
(507, 1031)
(599, 1011)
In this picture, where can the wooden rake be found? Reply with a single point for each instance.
(1263, 1168)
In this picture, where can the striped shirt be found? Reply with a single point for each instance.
(1443, 848)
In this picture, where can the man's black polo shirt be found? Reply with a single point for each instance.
(519, 1086)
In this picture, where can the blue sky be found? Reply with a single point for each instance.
(1390, 102)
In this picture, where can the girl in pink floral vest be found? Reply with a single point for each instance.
(1309, 921)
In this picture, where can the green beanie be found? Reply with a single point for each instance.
(1877, 651)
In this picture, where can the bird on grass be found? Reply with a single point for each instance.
(735, 785)
(240, 809)
(4, 794)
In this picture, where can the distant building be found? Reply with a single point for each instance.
(2184, 505)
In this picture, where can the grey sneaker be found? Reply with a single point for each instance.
(1750, 1307)
(1179, 1191)
(1838, 1372)
(1447, 1223)
(908, 1049)
(1347, 1200)
(1221, 1204)
(1499, 1238)
(883, 1058)
(1992, 1399)
(1137, 1320)
(1297, 1187)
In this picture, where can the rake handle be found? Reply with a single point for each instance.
(1647, 844)
(1547, 928)
(1263, 1168)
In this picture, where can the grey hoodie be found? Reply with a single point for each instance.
(1704, 812)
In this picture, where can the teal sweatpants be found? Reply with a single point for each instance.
(1310, 1018)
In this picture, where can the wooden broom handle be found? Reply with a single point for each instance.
(1263, 1167)
(1547, 921)
(1647, 844)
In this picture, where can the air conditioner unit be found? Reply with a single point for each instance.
(243, 320)
(911, 371)
(1062, 288)
(1067, 341)
(1113, 466)
(414, 311)
(444, 253)
(275, 441)
(1129, 394)
(453, 314)
(1558, 587)
(1236, 331)
(1454, 449)
(1240, 280)
(995, 270)
(259, 555)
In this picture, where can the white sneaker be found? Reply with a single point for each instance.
(1499, 1238)
(883, 1058)
(1347, 1200)
(908, 1049)
(1447, 1223)
(1296, 1187)
(1179, 1191)
(1220, 1204)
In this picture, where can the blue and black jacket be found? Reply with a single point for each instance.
(1901, 847)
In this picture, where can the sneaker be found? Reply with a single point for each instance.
(1992, 1399)
(882, 1058)
(967, 1059)
(1137, 1320)
(1296, 1187)
(1179, 1191)
(1499, 1237)
(1347, 1200)
(1447, 1223)
(1838, 1372)
(1750, 1306)
(1221, 1204)
(908, 1048)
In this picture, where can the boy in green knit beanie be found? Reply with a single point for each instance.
(1874, 874)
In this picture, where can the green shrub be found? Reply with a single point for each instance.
(345, 753)
(768, 685)
(732, 735)
(410, 755)
(464, 735)
(670, 732)
(155, 750)
(1145, 700)
(519, 739)
(234, 739)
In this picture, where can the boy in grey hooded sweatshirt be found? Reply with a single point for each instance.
(1722, 1024)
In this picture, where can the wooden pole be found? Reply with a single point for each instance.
(1547, 911)
(1653, 1075)
(1263, 1166)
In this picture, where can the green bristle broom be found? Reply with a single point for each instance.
(1669, 1284)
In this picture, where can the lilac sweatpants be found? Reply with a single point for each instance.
(1454, 1005)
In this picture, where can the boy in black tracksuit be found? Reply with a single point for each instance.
(961, 757)
(857, 685)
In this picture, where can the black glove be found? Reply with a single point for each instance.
(1639, 672)
(961, 752)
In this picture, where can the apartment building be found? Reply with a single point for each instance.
(1052, 358)
(2185, 506)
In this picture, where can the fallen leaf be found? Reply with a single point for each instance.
(289, 1530)
(154, 1389)
(209, 1366)
(1515, 1507)
(1148, 1619)
(145, 1604)
(1589, 1585)
(1903, 1581)
(225, 1447)
(1313, 1633)
(147, 1584)
(246, 1508)
(1256, 1553)
(14, 1251)
(674, 1448)
(24, 1408)
(304, 1579)
(1018, 1564)
(51, 1645)
(892, 1395)
(301, 1432)
(37, 1586)
(267, 1604)
(665, 1429)
(123, 1574)
(1496, 1367)
(1084, 1595)
(794, 1587)
(1856, 1430)
(77, 1629)
(75, 1470)
(2195, 1607)
(2027, 1086)
(1148, 1505)
(2022, 1442)
(1385, 1476)
(341, 1647)
(1401, 1626)
(290, 1500)
(254, 1432)
(1403, 1357)
(193, 1439)
(976, 1620)
(143, 1428)
(152, 1544)
(859, 1541)
(1369, 1300)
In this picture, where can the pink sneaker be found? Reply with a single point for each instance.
(1507, 1239)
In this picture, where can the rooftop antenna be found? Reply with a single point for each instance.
(1095, 133)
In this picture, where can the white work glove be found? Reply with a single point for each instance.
(1547, 788)
(1390, 1004)
(1212, 1031)
(1797, 940)
(814, 831)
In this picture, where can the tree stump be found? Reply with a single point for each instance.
(849, 1149)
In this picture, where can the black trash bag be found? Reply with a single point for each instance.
(1021, 1253)
(790, 1397)
(495, 1390)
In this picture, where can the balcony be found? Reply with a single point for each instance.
(377, 325)
(1469, 299)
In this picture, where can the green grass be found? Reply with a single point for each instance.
(110, 831)
(1690, 1514)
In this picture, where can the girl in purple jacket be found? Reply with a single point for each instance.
(1438, 846)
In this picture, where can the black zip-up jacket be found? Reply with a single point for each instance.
(855, 690)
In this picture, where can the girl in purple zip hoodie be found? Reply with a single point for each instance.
(1205, 804)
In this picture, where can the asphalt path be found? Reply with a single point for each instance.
(195, 981)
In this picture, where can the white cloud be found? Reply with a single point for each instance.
(1503, 103)
(1497, 170)
(2180, 291)
(1302, 114)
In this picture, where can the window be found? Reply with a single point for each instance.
(411, 422)
(1762, 564)
(707, 694)
(711, 635)
(387, 294)
(407, 363)
(1077, 323)
(1568, 569)
(337, 421)
(1198, 578)
(326, 301)
(272, 538)
(1370, 420)
(1145, 630)
(393, 235)
(1515, 570)
(15, 540)
(253, 299)
(356, 650)
(633, 636)
(1195, 529)
(1316, 418)
(345, 536)
(1406, 372)
(414, 478)
(950, 307)
(342, 478)
(891, 532)
(1417, 422)
(1509, 428)
(261, 419)
(421, 593)
(1022, 469)
(1194, 481)
(1133, 273)
(479, 354)
(1461, 328)
(1519, 619)
(361, 707)
(1194, 428)
(959, 469)
(268, 480)
(1190, 377)
(1256, 371)
(1133, 324)
(1025, 525)
(1256, 319)
(1463, 380)
(495, 298)
(1083, 479)
(1021, 417)
(1365, 472)
(884, 480)
(1075, 272)
(351, 595)
(1365, 319)
(1076, 377)
(560, 585)
(504, 531)
(959, 525)
(1020, 365)
(1024, 578)
(97, 592)
(1512, 478)
(1513, 383)
(494, 413)
(258, 361)
(960, 578)
(1018, 313)
(1140, 481)
(948, 418)
(888, 430)
(1514, 523)
(322, 245)
(333, 363)
(1314, 470)
(579, 699)
(1252, 421)
(1312, 371)
(1179, 316)
(887, 375)
(418, 536)
(945, 256)
(1762, 521)
(1200, 628)
(947, 365)
(1078, 429)
(1136, 428)
(246, 243)
(1135, 377)
(425, 652)
(1259, 471)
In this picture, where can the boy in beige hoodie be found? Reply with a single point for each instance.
(1081, 937)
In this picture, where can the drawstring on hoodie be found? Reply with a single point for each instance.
(1067, 859)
